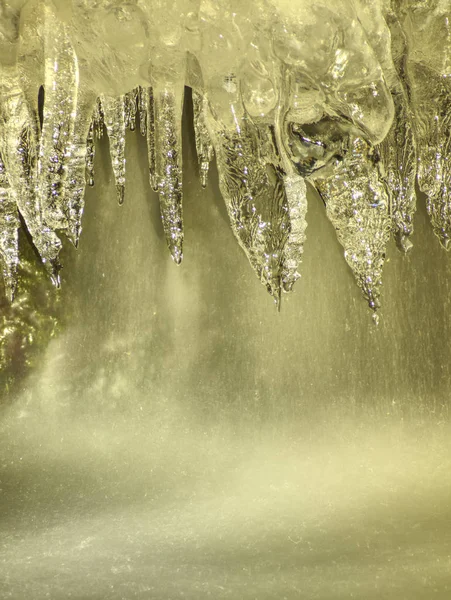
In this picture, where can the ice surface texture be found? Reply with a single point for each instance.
(348, 95)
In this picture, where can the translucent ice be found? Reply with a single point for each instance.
(168, 104)
(147, 119)
(19, 148)
(114, 118)
(260, 207)
(357, 206)
(61, 79)
(204, 146)
(429, 36)
(9, 236)
(345, 94)
(398, 150)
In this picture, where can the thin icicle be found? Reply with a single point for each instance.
(61, 90)
(398, 150)
(357, 206)
(98, 119)
(147, 116)
(90, 154)
(168, 163)
(142, 110)
(9, 234)
(114, 115)
(296, 194)
(398, 160)
(75, 182)
(204, 146)
(130, 109)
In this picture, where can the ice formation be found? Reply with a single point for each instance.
(350, 96)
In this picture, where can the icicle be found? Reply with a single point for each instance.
(296, 194)
(256, 200)
(398, 161)
(168, 163)
(90, 154)
(147, 116)
(18, 146)
(75, 182)
(357, 206)
(61, 90)
(142, 110)
(428, 69)
(398, 150)
(433, 139)
(204, 146)
(114, 115)
(130, 108)
(98, 119)
(9, 234)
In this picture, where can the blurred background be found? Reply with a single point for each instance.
(180, 438)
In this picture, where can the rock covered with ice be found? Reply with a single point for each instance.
(332, 91)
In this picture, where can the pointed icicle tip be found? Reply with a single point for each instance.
(445, 241)
(53, 268)
(153, 181)
(10, 287)
(275, 291)
(73, 235)
(120, 193)
(404, 244)
(176, 254)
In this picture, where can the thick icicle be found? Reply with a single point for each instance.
(257, 201)
(9, 234)
(61, 91)
(168, 163)
(114, 116)
(204, 146)
(398, 150)
(357, 206)
(18, 146)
